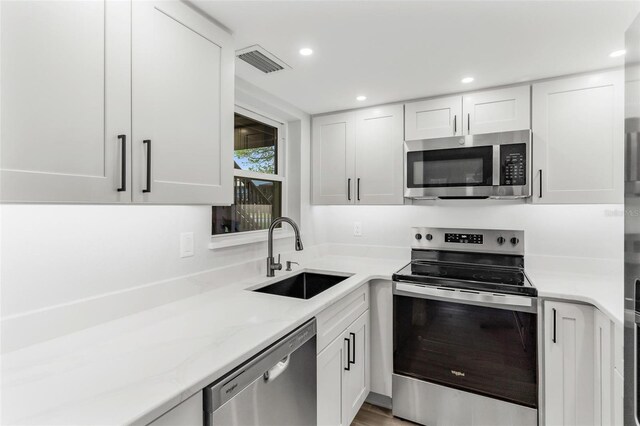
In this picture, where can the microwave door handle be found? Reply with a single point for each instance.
(496, 165)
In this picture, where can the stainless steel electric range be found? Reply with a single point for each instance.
(465, 330)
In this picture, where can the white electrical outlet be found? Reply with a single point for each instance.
(357, 229)
(186, 244)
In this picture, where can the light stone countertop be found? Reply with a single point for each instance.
(132, 369)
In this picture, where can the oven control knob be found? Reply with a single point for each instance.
(515, 241)
(429, 237)
(501, 240)
(418, 237)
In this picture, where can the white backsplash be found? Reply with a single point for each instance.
(593, 231)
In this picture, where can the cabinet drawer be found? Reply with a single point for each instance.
(336, 318)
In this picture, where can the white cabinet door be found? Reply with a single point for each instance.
(333, 158)
(435, 118)
(381, 317)
(331, 365)
(568, 364)
(65, 99)
(497, 110)
(188, 413)
(604, 370)
(356, 378)
(379, 151)
(183, 100)
(578, 139)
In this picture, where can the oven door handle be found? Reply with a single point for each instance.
(506, 301)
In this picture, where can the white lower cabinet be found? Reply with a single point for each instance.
(579, 375)
(343, 374)
(381, 336)
(604, 370)
(187, 413)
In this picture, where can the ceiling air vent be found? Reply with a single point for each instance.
(262, 59)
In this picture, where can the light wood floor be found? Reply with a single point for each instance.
(371, 415)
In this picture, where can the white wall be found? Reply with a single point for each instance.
(594, 231)
(57, 254)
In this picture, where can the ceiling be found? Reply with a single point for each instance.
(397, 50)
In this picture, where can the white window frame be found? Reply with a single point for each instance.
(248, 237)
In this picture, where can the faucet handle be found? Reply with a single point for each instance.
(289, 263)
(277, 265)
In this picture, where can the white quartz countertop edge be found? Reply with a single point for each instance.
(113, 373)
(152, 366)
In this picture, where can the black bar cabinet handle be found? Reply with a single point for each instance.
(348, 367)
(540, 193)
(123, 176)
(353, 336)
(358, 190)
(553, 339)
(455, 124)
(468, 122)
(148, 186)
(349, 189)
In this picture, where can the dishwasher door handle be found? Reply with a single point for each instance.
(273, 373)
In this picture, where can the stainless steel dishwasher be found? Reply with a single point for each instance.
(276, 387)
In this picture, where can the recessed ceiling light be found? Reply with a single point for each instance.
(306, 51)
(467, 80)
(617, 53)
(361, 98)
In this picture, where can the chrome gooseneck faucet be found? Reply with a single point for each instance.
(272, 265)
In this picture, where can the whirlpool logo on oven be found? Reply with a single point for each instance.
(457, 373)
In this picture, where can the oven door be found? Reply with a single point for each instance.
(476, 342)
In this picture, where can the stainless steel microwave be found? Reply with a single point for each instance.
(492, 165)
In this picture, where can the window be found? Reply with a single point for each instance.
(258, 176)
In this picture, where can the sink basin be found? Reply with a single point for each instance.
(302, 286)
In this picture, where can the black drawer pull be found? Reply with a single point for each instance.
(553, 339)
(349, 189)
(348, 367)
(353, 336)
(148, 186)
(123, 176)
(540, 193)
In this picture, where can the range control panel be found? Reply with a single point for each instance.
(477, 240)
(463, 238)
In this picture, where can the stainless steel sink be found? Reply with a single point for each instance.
(304, 285)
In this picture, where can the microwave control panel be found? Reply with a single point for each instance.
(513, 164)
(463, 238)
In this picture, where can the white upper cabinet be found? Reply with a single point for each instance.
(497, 110)
(183, 75)
(578, 139)
(379, 155)
(65, 86)
(78, 76)
(435, 118)
(358, 157)
(333, 153)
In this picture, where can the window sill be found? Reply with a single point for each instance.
(223, 241)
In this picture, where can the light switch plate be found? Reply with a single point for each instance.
(357, 229)
(186, 244)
